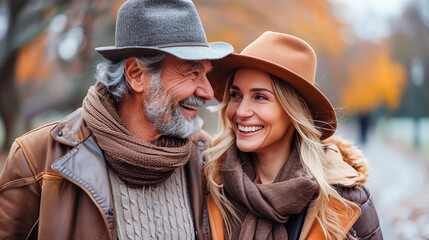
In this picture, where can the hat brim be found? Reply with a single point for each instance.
(320, 107)
(215, 50)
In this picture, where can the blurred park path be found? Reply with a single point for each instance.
(398, 183)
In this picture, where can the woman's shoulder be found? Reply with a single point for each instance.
(368, 225)
(359, 195)
(346, 165)
(348, 171)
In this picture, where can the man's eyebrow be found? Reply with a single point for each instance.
(195, 66)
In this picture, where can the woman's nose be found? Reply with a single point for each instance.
(244, 110)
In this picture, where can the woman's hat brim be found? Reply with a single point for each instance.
(214, 50)
(320, 107)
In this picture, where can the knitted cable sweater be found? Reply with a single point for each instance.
(153, 212)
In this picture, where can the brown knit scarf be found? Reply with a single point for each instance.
(136, 162)
(264, 208)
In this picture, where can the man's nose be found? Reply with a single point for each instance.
(204, 89)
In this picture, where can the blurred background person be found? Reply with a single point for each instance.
(363, 119)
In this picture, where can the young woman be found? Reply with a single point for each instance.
(274, 171)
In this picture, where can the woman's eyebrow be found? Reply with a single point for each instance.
(234, 87)
(261, 90)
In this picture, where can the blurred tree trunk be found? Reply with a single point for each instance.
(9, 100)
(27, 19)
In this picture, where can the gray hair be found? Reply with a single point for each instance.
(112, 74)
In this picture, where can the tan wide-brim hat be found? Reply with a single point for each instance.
(288, 58)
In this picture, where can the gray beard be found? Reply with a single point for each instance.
(165, 118)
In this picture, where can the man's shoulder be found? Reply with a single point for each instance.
(36, 136)
(52, 131)
(28, 154)
(43, 145)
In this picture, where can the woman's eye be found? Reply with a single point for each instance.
(234, 94)
(196, 73)
(261, 97)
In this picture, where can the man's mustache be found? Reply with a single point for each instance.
(194, 100)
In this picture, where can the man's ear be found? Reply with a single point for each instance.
(136, 77)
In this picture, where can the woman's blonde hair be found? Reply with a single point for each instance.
(311, 151)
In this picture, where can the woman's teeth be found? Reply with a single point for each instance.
(249, 129)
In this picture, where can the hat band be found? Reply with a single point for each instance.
(182, 45)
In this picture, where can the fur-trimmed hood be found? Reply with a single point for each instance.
(346, 164)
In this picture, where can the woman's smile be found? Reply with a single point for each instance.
(249, 129)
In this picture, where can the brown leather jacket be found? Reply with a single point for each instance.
(55, 185)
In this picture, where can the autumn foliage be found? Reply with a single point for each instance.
(32, 63)
(240, 22)
(374, 80)
(353, 82)
(368, 79)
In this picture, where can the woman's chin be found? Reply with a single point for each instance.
(246, 147)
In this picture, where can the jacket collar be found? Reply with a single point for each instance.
(72, 130)
(84, 164)
(346, 164)
(196, 188)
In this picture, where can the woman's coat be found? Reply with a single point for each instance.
(347, 172)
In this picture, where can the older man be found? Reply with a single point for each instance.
(122, 166)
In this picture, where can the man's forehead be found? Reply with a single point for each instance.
(196, 64)
(186, 65)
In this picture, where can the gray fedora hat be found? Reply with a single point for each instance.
(170, 26)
